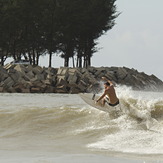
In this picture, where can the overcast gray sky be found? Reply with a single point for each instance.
(136, 41)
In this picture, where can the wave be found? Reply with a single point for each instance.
(140, 125)
(38, 118)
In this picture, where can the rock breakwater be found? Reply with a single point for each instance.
(36, 79)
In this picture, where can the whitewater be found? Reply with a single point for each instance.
(47, 128)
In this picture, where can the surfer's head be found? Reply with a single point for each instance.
(107, 84)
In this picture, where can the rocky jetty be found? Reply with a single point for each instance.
(36, 79)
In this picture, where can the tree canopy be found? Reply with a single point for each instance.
(69, 28)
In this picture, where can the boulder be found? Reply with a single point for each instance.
(61, 81)
(37, 70)
(49, 89)
(1, 89)
(21, 88)
(15, 76)
(29, 68)
(25, 90)
(46, 82)
(39, 77)
(8, 82)
(82, 86)
(29, 75)
(9, 66)
(62, 72)
(121, 73)
(20, 68)
(61, 89)
(72, 79)
(3, 76)
(74, 90)
(35, 90)
(11, 71)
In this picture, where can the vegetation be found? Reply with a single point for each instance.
(69, 28)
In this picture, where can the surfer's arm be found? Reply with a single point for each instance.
(100, 98)
(105, 79)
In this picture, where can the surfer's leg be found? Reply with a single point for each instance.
(99, 103)
(103, 102)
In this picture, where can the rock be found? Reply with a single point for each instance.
(74, 90)
(37, 70)
(1, 89)
(11, 71)
(62, 72)
(111, 76)
(35, 90)
(8, 82)
(25, 90)
(52, 70)
(15, 76)
(30, 75)
(61, 89)
(121, 73)
(10, 90)
(21, 88)
(29, 68)
(20, 68)
(40, 77)
(49, 89)
(82, 86)
(9, 66)
(3, 76)
(47, 82)
(61, 81)
(35, 79)
(74, 71)
(72, 79)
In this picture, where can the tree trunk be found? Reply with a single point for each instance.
(80, 62)
(85, 62)
(77, 61)
(37, 58)
(50, 58)
(73, 62)
(66, 63)
(89, 61)
(2, 60)
(34, 62)
(30, 58)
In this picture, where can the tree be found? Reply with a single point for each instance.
(71, 28)
(6, 29)
(50, 28)
(82, 23)
(98, 17)
(32, 39)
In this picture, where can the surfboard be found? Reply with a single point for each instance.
(90, 99)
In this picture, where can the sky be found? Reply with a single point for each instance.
(136, 41)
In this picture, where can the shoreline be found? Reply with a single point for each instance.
(35, 79)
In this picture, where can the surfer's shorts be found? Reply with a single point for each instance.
(107, 101)
(114, 104)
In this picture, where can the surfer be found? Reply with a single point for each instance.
(109, 96)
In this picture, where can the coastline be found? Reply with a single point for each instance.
(36, 79)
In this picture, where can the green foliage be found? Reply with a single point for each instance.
(68, 27)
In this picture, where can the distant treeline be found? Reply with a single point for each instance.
(69, 28)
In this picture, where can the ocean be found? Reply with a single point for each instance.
(62, 128)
